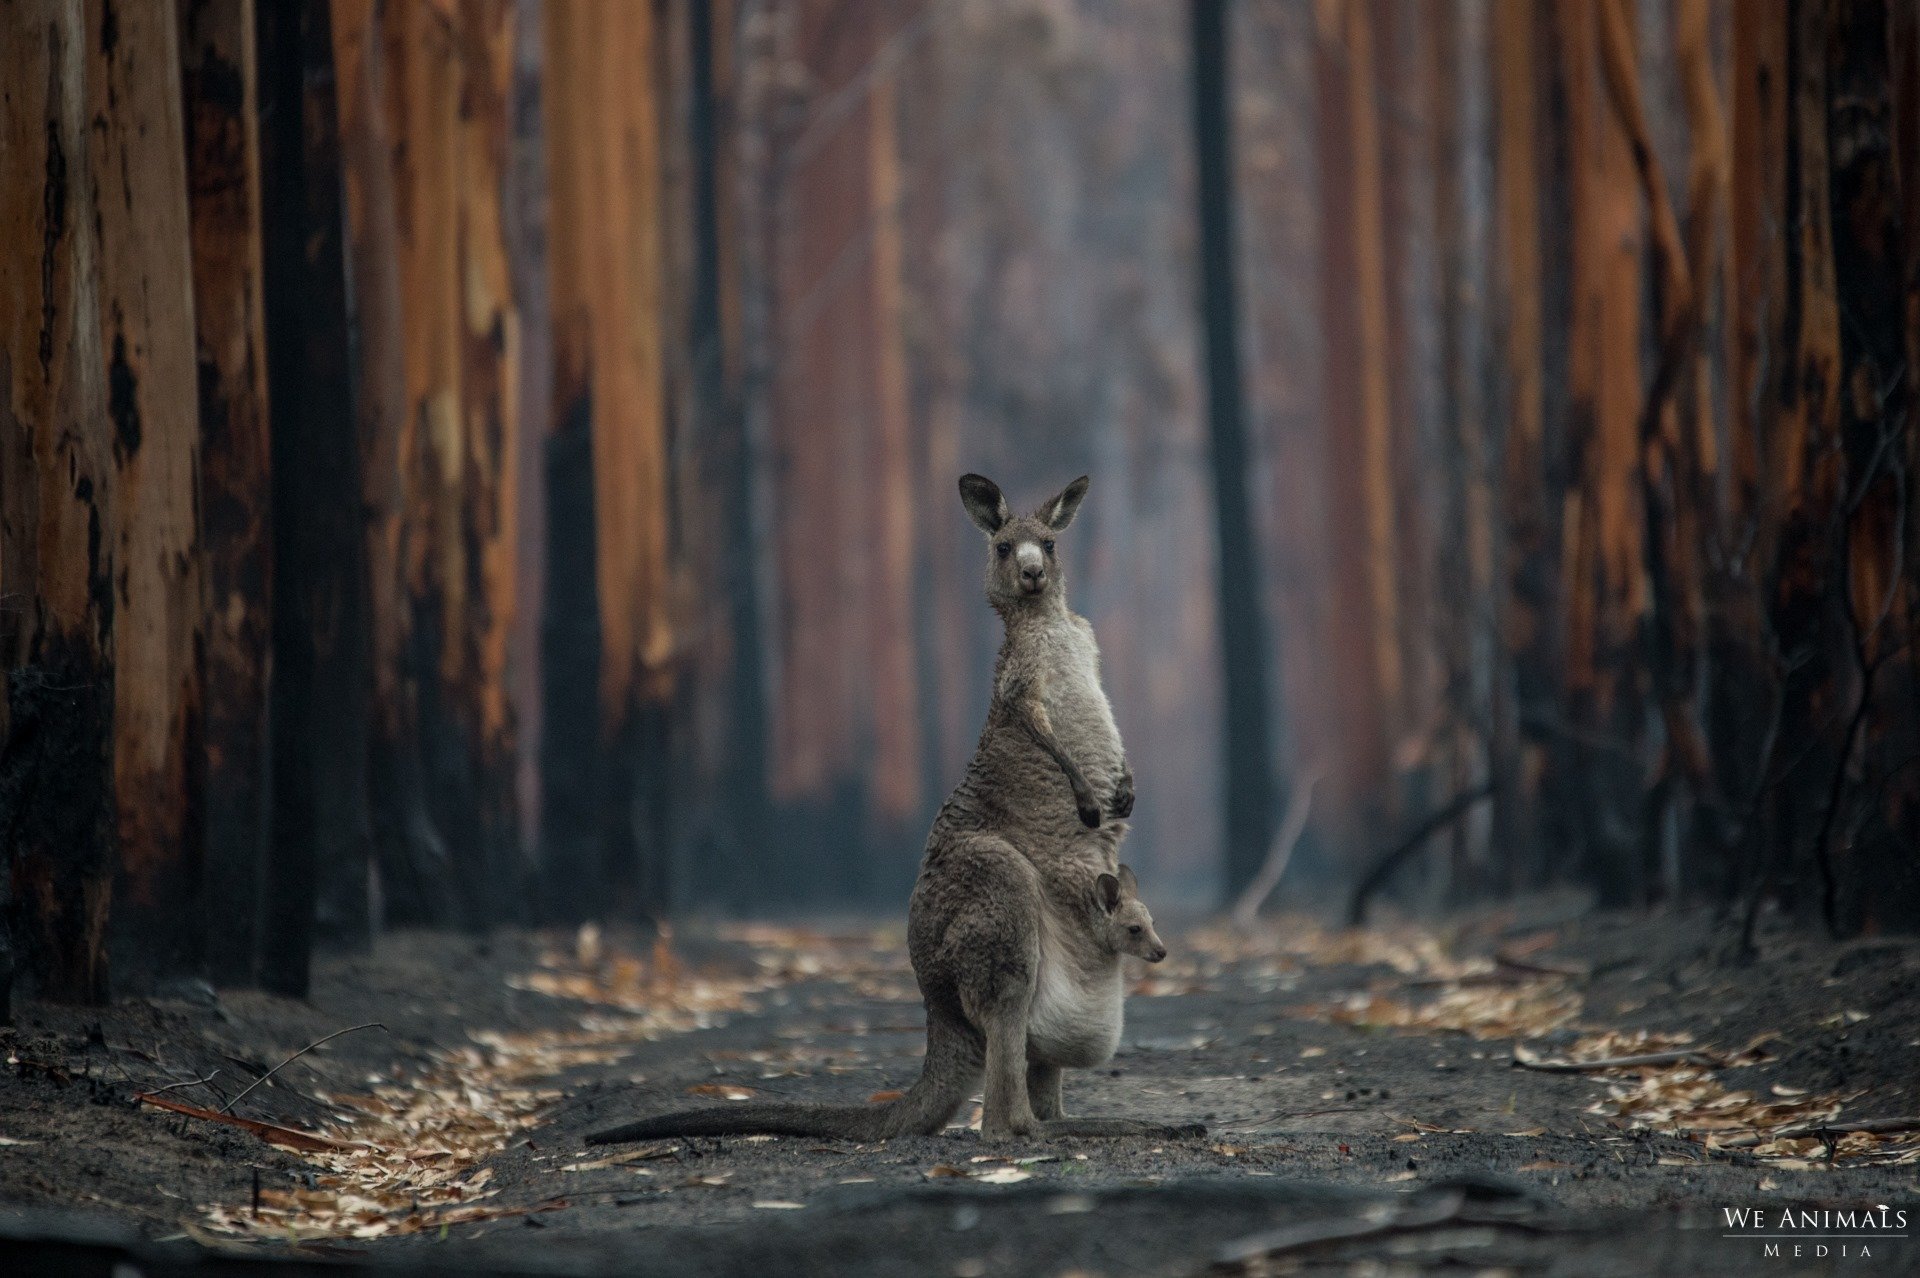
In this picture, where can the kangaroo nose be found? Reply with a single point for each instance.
(1159, 952)
(1032, 576)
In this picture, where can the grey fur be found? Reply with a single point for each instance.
(1022, 911)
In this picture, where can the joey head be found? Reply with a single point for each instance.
(1129, 925)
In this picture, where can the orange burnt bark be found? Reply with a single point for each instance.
(1363, 630)
(137, 156)
(1603, 574)
(605, 166)
(56, 487)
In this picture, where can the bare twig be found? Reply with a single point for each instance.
(191, 1082)
(228, 1107)
(1383, 869)
(1247, 909)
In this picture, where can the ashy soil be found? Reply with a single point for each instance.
(1360, 1091)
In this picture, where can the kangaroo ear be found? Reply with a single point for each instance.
(1107, 889)
(1059, 512)
(1129, 886)
(981, 496)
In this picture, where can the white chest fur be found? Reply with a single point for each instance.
(1077, 705)
(1077, 1014)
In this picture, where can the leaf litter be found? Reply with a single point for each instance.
(1439, 993)
(405, 1155)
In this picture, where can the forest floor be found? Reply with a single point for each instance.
(1364, 1107)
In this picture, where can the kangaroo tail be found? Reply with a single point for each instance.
(946, 1077)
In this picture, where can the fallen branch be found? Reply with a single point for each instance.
(1247, 909)
(1393, 1220)
(1571, 972)
(1383, 869)
(1562, 1065)
(228, 1107)
(1869, 1126)
(272, 1133)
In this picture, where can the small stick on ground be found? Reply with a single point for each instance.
(1871, 1126)
(1551, 1065)
(228, 1107)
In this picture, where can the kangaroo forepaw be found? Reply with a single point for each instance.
(1089, 811)
(1123, 797)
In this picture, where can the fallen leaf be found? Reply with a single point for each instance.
(1545, 1164)
(1003, 1176)
(774, 1204)
(886, 1097)
(726, 1091)
(939, 1170)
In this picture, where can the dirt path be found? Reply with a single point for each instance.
(1359, 1090)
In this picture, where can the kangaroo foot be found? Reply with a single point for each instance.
(1123, 797)
(1013, 1129)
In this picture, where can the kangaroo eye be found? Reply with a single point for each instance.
(1134, 928)
(1047, 545)
(1005, 548)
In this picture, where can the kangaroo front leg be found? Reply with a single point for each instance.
(1123, 793)
(1007, 1110)
(1031, 716)
(1043, 1090)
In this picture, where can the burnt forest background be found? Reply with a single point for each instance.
(486, 462)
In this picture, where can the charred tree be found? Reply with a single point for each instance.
(1245, 643)
(219, 81)
(608, 611)
(57, 473)
(138, 156)
(321, 680)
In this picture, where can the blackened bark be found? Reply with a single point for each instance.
(1244, 645)
(221, 113)
(319, 701)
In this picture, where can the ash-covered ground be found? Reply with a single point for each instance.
(1362, 1101)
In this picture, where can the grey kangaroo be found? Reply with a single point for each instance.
(1022, 910)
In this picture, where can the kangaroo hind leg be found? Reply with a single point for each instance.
(1043, 1091)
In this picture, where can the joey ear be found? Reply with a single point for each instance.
(1058, 513)
(1129, 886)
(1107, 889)
(981, 496)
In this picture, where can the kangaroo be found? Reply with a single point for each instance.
(1022, 909)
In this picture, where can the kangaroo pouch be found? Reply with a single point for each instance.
(1077, 1014)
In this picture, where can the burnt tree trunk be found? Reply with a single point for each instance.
(137, 153)
(56, 553)
(321, 677)
(1245, 638)
(219, 80)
